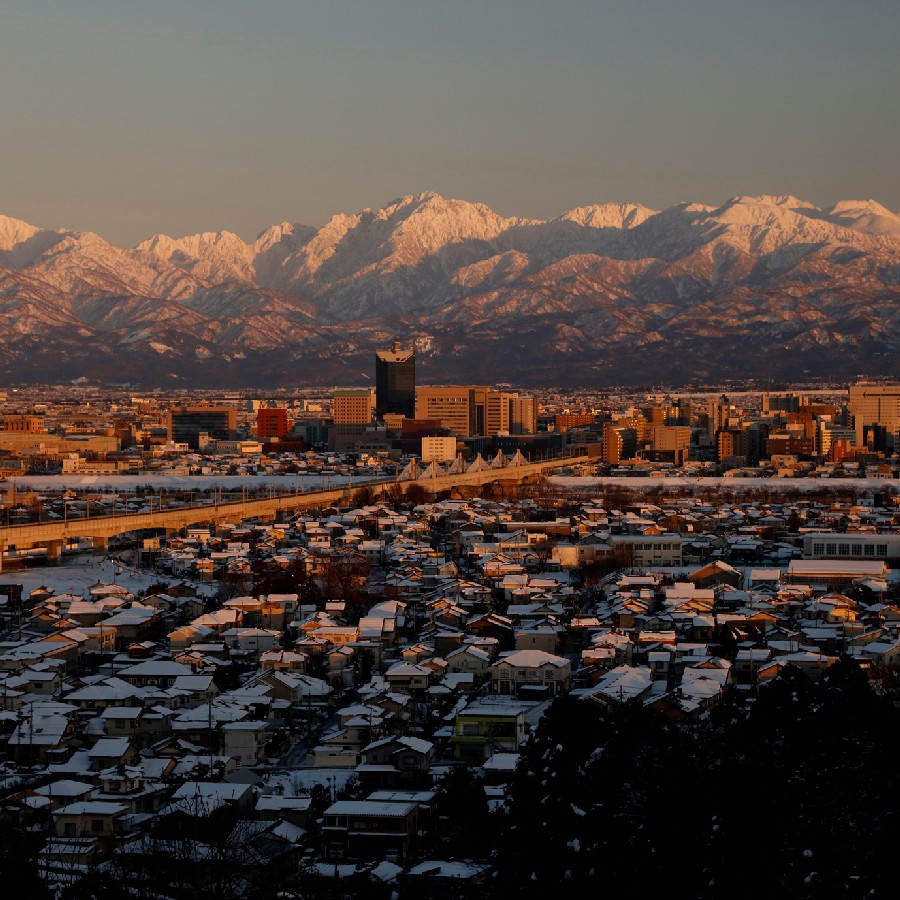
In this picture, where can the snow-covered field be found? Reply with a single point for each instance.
(291, 483)
(78, 573)
(130, 483)
(863, 486)
(298, 781)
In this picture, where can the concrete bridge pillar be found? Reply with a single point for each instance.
(100, 543)
(54, 550)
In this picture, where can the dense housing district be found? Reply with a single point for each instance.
(425, 695)
(313, 708)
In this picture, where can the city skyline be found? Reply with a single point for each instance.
(130, 121)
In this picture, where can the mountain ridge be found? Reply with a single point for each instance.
(769, 283)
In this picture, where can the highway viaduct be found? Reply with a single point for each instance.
(54, 535)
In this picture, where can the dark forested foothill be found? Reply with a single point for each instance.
(787, 793)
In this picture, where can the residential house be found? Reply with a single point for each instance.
(531, 669)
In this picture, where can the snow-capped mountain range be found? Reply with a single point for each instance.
(766, 286)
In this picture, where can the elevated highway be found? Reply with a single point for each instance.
(54, 535)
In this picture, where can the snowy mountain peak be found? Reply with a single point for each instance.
(786, 200)
(194, 245)
(858, 207)
(14, 232)
(275, 234)
(866, 216)
(800, 286)
(609, 215)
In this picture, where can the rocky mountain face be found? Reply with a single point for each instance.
(609, 294)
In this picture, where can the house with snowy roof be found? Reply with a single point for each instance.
(884, 652)
(98, 820)
(138, 724)
(469, 659)
(620, 685)
(483, 729)
(111, 751)
(409, 678)
(394, 760)
(529, 670)
(370, 829)
(302, 689)
(40, 733)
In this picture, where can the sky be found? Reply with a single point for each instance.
(176, 116)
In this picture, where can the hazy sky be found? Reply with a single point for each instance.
(132, 117)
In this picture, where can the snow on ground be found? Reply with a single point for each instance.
(129, 483)
(76, 574)
(863, 486)
(291, 483)
(299, 781)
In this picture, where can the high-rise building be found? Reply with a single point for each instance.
(876, 415)
(829, 433)
(353, 406)
(395, 381)
(496, 412)
(459, 408)
(732, 445)
(523, 415)
(786, 403)
(719, 412)
(565, 421)
(674, 439)
(187, 423)
(271, 422)
(467, 409)
(618, 444)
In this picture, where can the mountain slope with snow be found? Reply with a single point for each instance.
(615, 293)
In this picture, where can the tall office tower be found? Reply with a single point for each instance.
(523, 413)
(496, 412)
(395, 381)
(353, 406)
(187, 423)
(719, 412)
(680, 414)
(732, 444)
(829, 433)
(876, 414)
